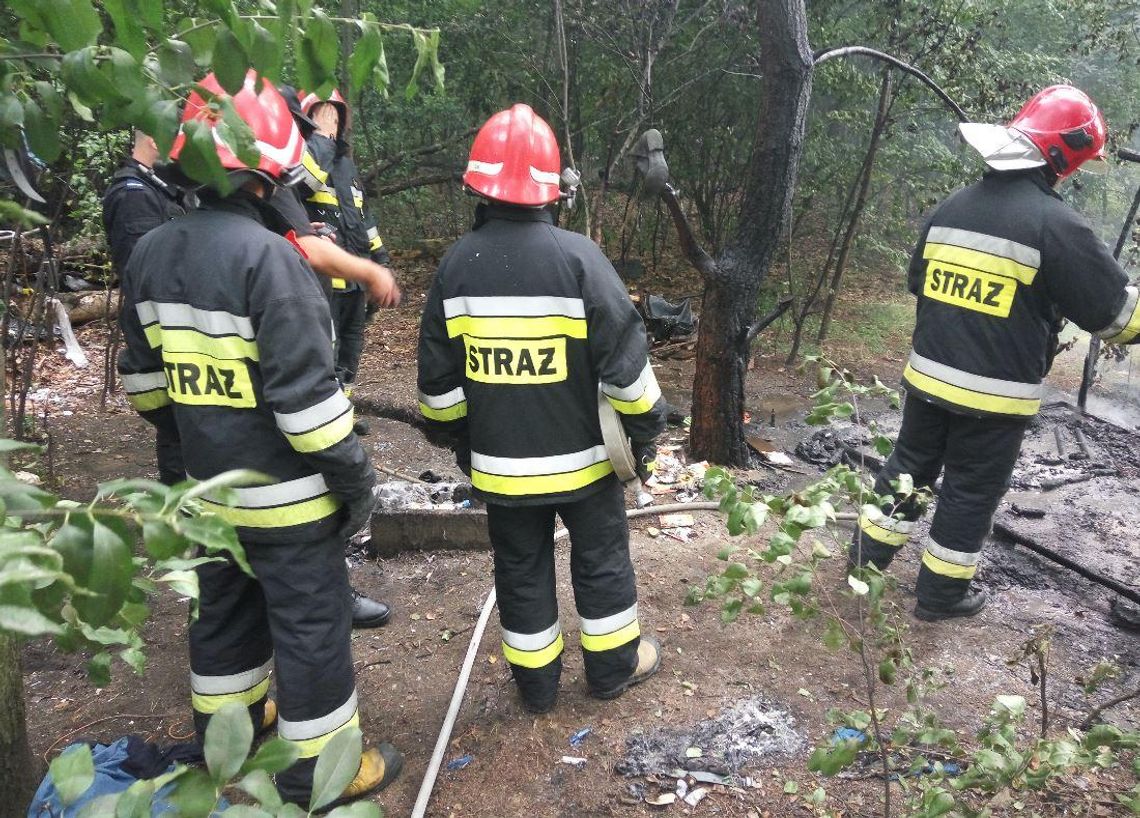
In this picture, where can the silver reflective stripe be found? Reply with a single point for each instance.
(530, 466)
(1021, 253)
(444, 401)
(950, 555)
(513, 306)
(646, 382)
(532, 641)
(1124, 316)
(278, 494)
(543, 177)
(975, 383)
(373, 233)
(611, 623)
(312, 728)
(144, 381)
(211, 322)
(486, 168)
(234, 683)
(330, 408)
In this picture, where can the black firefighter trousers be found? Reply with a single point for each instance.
(293, 615)
(350, 316)
(978, 456)
(604, 591)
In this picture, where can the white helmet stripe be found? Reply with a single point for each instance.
(486, 168)
(543, 177)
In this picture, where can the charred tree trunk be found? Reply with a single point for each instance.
(18, 770)
(732, 286)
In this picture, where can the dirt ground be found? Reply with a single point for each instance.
(405, 671)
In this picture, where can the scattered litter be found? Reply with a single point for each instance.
(29, 478)
(580, 736)
(741, 734)
(653, 532)
(826, 447)
(694, 752)
(400, 495)
(677, 520)
(459, 763)
(711, 778)
(682, 788)
(679, 534)
(574, 761)
(662, 800)
(778, 458)
(696, 796)
(848, 734)
(430, 477)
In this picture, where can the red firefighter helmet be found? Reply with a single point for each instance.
(278, 140)
(1065, 125)
(514, 159)
(311, 101)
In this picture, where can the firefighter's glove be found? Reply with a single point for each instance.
(645, 456)
(358, 510)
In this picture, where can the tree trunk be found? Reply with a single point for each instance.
(18, 769)
(732, 288)
(882, 112)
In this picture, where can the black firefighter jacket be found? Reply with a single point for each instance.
(521, 325)
(229, 336)
(135, 203)
(337, 199)
(997, 267)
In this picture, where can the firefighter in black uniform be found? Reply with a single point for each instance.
(339, 203)
(136, 202)
(997, 267)
(521, 325)
(228, 335)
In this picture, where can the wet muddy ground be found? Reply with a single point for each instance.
(405, 671)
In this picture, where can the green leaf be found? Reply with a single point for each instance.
(99, 668)
(437, 69)
(200, 160)
(42, 132)
(336, 766)
(227, 479)
(216, 535)
(110, 572)
(290, 810)
(357, 809)
(73, 772)
(176, 63)
(162, 123)
(228, 738)
(234, 131)
(163, 542)
(423, 59)
(265, 52)
(128, 30)
(182, 582)
(201, 40)
(364, 57)
(73, 23)
(833, 636)
(230, 63)
(317, 59)
(791, 787)
(272, 757)
(736, 570)
(829, 761)
(755, 516)
(150, 12)
(82, 76)
(888, 670)
(26, 621)
(751, 587)
(135, 659)
(135, 801)
(195, 795)
(730, 610)
(246, 811)
(259, 783)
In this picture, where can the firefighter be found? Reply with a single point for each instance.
(522, 324)
(997, 267)
(339, 203)
(136, 202)
(228, 336)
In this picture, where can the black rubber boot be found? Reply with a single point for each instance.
(367, 612)
(361, 428)
(648, 663)
(969, 605)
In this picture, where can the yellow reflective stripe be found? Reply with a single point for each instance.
(948, 569)
(534, 658)
(308, 511)
(221, 347)
(542, 483)
(212, 702)
(375, 244)
(322, 437)
(453, 412)
(635, 407)
(146, 401)
(311, 165)
(1130, 330)
(358, 201)
(311, 747)
(609, 641)
(883, 535)
(323, 197)
(977, 260)
(969, 398)
(339, 284)
(543, 326)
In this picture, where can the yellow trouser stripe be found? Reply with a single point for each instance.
(948, 569)
(977, 260)
(541, 483)
(634, 407)
(453, 412)
(322, 437)
(969, 398)
(543, 326)
(210, 703)
(311, 747)
(883, 535)
(222, 347)
(323, 197)
(534, 658)
(1130, 331)
(146, 401)
(307, 511)
(609, 641)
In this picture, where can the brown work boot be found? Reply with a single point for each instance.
(268, 719)
(379, 767)
(648, 663)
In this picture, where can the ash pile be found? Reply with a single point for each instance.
(402, 495)
(1064, 447)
